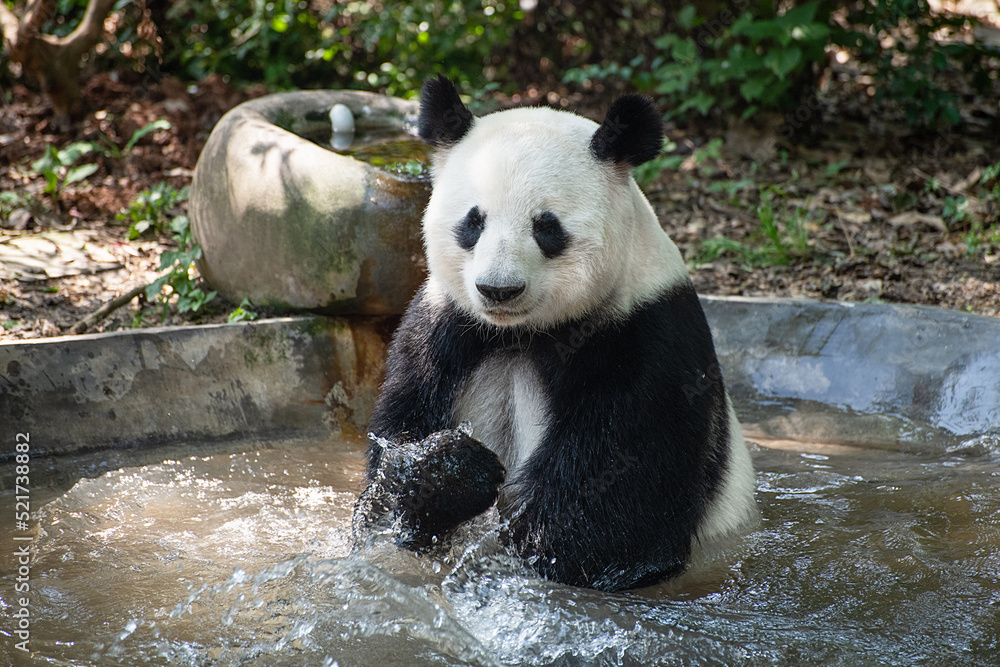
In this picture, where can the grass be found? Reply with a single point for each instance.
(781, 237)
(151, 209)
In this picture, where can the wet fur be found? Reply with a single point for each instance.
(598, 386)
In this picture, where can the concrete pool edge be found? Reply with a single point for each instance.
(889, 376)
(884, 376)
(295, 377)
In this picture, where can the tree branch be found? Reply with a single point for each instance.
(90, 29)
(53, 61)
(105, 310)
(10, 23)
(35, 13)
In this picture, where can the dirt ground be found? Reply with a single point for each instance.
(867, 209)
(78, 232)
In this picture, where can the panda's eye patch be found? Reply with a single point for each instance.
(549, 234)
(468, 230)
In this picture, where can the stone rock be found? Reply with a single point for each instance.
(287, 223)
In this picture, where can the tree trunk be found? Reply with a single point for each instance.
(54, 62)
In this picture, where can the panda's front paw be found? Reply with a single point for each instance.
(454, 479)
(434, 486)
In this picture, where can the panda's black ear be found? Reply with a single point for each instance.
(631, 133)
(444, 120)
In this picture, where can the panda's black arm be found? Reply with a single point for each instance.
(431, 487)
(427, 360)
(613, 496)
(421, 470)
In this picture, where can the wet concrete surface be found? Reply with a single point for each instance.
(886, 376)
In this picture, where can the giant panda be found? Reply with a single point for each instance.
(557, 360)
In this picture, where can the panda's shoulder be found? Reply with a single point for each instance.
(663, 341)
(673, 312)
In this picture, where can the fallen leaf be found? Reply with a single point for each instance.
(910, 218)
(20, 219)
(970, 180)
(854, 217)
(878, 170)
(48, 255)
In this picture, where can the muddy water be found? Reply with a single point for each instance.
(240, 557)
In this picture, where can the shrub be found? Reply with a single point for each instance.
(738, 62)
(180, 281)
(894, 39)
(391, 46)
(771, 59)
(151, 208)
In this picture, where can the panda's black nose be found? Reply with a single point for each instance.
(499, 293)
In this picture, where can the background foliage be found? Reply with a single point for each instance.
(389, 46)
(706, 58)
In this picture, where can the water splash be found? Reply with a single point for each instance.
(862, 558)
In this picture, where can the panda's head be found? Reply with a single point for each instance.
(534, 215)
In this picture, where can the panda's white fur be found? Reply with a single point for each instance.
(596, 383)
(733, 509)
(507, 407)
(514, 165)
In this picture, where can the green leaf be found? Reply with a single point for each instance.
(137, 229)
(243, 312)
(675, 78)
(179, 225)
(154, 288)
(810, 32)
(754, 88)
(991, 172)
(686, 17)
(168, 258)
(740, 24)
(742, 62)
(951, 115)
(74, 152)
(760, 30)
(783, 60)
(797, 15)
(79, 173)
(49, 161)
(51, 181)
(143, 131)
(685, 51)
(720, 72)
(701, 101)
(749, 111)
(667, 41)
(835, 168)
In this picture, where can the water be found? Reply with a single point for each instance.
(401, 154)
(243, 557)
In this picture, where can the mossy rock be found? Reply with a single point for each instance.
(286, 223)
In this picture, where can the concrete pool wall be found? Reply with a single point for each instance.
(884, 376)
(279, 378)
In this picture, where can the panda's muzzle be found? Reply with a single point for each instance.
(496, 294)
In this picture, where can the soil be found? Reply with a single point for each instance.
(85, 214)
(867, 209)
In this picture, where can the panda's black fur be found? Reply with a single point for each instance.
(637, 445)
